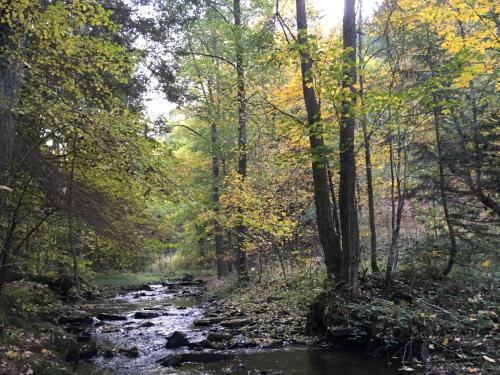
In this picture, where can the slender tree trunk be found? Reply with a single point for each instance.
(477, 187)
(347, 190)
(368, 160)
(219, 246)
(397, 211)
(8, 239)
(71, 230)
(442, 191)
(241, 256)
(10, 81)
(324, 218)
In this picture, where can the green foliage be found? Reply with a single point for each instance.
(25, 299)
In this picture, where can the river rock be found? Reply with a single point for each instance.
(206, 322)
(176, 340)
(88, 351)
(146, 314)
(105, 316)
(147, 325)
(84, 337)
(132, 352)
(218, 337)
(84, 320)
(109, 328)
(235, 323)
(177, 360)
(108, 353)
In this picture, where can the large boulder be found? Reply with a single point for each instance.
(176, 340)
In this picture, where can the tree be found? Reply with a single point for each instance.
(347, 191)
(367, 147)
(324, 216)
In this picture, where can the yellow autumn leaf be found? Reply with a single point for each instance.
(445, 341)
(10, 354)
(485, 264)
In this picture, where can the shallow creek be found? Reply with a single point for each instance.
(177, 307)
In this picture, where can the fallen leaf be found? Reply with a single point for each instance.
(489, 359)
(407, 369)
(10, 354)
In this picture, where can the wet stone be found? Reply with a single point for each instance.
(235, 323)
(132, 352)
(218, 337)
(105, 316)
(176, 340)
(84, 337)
(177, 360)
(109, 328)
(75, 320)
(108, 353)
(206, 322)
(88, 351)
(146, 315)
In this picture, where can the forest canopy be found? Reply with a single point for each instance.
(372, 147)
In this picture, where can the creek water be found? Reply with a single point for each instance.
(177, 307)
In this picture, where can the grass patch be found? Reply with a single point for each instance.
(125, 279)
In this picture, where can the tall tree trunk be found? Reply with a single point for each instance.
(477, 187)
(219, 247)
(442, 189)
(397, 210)
(9, 85)
(71, 229)
(326, 230)
(347, 190)
(368, 160)
(241, 256)
(8, 239)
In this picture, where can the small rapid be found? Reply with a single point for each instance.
(132, 329)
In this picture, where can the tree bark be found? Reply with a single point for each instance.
(347, 190)
(324, 218)
(9, 84)
(241, 256)
(368, 160)
(442, 190)
(219, 247)
(71, 231)
(335, 210)
(397, 211)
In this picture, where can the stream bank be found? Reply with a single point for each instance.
(174, 328)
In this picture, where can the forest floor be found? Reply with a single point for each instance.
(423, 325)
(445, 327)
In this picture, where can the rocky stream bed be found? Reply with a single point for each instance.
(168, 329)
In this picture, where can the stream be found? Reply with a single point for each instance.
(136, 343)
